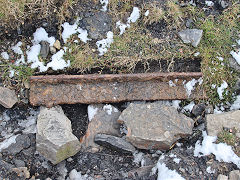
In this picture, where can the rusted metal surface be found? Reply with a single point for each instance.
(109, 88)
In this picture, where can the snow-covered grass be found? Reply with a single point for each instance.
(222, 151)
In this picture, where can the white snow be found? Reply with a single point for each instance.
(134, 15)
(221, 89)
(146, 13)
(16, 49)
(176, 160)
(42, 35)
(137, 157)
(167, 174)
(189, 107)
(209, 170)
(236, 56)
(196, 54)
(189, 86)
(109, 108)
(83, 35)
(122, 27)
(236, 104)
(68, 30)
(171, 83)
(105, 4)
(209, 3)
(105, 43)
(74, 175)
(222, 151)
(5, 55)
(30, 123)
(175, 103)
(92, 111)
(11, 73)
(7, 142)
(57, 61)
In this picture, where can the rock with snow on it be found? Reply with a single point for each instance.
(154, 126)
(114, 142)
(216, 122)
(102, 120)
(222, 177)
(7, 97)
(192, 36)
(234, 175)
(54, 138)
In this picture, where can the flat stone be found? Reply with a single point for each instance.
(234, 175)
(103, 122)
(115, 143)
(216, 122)
(154, 125)
(22, 142)
(7, 97)
(54, 138)
(222, 177)
(44, 49)
(192, 36)
(98, 25)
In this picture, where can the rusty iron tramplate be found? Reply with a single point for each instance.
(109, 88)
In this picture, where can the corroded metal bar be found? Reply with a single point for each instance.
(110, 88)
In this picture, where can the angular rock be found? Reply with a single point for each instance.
(98, 25)
(22, 142)
(222, 177)
(44, 49)
(154, 126)
(54, 138)
(192, 36)
(7, 97)
(115, 143)
(216, 122)
(57, 44)
(234, 175)
(104, 121)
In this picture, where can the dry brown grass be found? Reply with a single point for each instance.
(156, 13)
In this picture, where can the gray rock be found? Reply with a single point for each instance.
(54, 138)
(216, 122)
(114, 142)
(233, 64)
(22, 142)
(154, 126)
(234, 175)
(22, 172)
(198, 109)
(192, 36)
(222, 177)
(19, 163)
(7, 97)
(98, 25)
(223, 4)
(103, 122)
(44, 49)
(237, 87)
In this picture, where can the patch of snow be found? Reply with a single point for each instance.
(200, 80)
(189, 86)
(222, 151)
(42, 35)
(68, 30)
(175, 103)
(137, 157)
(213, 86)
(105, 43)
(16, 49)
(221, 89)
(238, 41)
(83, 35)
(57, 61)
(11, 73)
(220, 58)
(209, 170)
(172, 155)
(236, 104)
(189, 107)
(108, 108)
(122, 27)
(134, 15)
(74, 175)
(92, 111)
(236, 56)
(5, 55)
(217, 110)
(179, 144)
(105, 4)
(30, 123)
(196, 54)
(171, 83)
(209, 3)
(176, 160)
(7, 142)
(146, 13)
